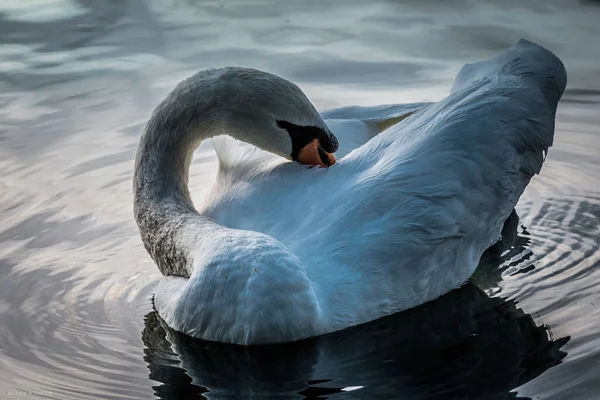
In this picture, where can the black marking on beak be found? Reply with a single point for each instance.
(303, 135)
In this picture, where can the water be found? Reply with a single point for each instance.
(78, 80)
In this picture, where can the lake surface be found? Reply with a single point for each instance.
(78, 80)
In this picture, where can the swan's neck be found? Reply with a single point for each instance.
(163, 208)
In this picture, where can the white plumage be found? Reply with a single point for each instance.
(282, 252)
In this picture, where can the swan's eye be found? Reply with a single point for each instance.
(304, 136)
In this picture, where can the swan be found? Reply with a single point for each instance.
(281, 251)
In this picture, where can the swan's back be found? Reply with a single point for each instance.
(406, 217)
(443, 183)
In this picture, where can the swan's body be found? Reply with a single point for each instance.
(281, 252)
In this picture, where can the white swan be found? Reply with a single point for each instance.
(282, 252)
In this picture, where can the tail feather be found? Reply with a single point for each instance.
(530, 66)
(526, 61)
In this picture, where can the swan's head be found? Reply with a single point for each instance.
(273, 114)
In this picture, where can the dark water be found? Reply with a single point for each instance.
(78, 80)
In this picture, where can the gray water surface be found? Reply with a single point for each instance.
(78, 79)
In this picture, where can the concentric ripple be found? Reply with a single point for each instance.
(73, 336)
(565, 234)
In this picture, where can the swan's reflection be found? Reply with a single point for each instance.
(462, 345)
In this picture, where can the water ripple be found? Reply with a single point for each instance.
(89, 325)
(77, 82)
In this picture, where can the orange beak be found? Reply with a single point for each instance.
(314, 154)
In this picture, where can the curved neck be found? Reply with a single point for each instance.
(163, 160)
(162, 205)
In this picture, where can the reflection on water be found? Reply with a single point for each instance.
(463, 345)
(78, 80)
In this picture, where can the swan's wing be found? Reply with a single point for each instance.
(355, 125)
(373, 113)
(454, 171)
